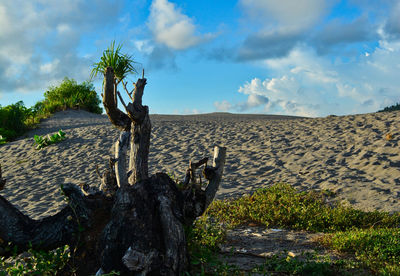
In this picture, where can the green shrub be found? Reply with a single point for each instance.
(16, 119)
(391, 108)
(12, 120)
(71, 95)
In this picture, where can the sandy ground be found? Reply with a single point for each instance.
(349, 155)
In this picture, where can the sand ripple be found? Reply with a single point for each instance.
(349, 155)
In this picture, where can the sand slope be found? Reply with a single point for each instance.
(347, 154)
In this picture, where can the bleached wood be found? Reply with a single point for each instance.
(121, 148)
(218, 165)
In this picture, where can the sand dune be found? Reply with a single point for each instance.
(349, 155)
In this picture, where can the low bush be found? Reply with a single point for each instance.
(391, 108)
(12, 121)
(71, 95)
(16, 119)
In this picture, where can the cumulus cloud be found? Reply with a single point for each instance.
(222, 106)
(340, 34)
(40, 40)
(172, 28)
(267, 45)
(392, 26)
(306, 84)
(272, 29)
(161, 57)
(282, 25)
(286, 14)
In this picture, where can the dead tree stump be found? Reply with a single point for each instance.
(132, 223)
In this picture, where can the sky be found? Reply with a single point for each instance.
(291, 57)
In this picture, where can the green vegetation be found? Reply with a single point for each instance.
(36, 263)
(122, 64)
(282, 206)
(391, 108)
(16, 119)
(42, 142)
(369, 241)
(71, 95)
(378, 249)
(12, 121)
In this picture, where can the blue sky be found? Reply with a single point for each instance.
(303, 57)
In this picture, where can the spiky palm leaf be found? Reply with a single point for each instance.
(122, 64)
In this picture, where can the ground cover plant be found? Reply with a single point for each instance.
(373, 238)
(47, 140)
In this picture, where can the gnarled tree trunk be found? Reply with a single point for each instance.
(132, 223)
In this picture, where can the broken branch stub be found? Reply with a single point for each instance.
(212, 173)
(2, 181)
(121, 147)
(218, 166)
(116, 116)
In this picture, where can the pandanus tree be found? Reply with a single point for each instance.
(132, 222)
(122, 65)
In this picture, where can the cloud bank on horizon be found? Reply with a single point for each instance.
(305, 57)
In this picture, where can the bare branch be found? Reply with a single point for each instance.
(218, 166)
(116, 116)
(127, 92)
(122, 100)
(191, 171)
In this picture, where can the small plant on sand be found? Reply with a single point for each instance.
(282, 205)
(377, 249)
(42, 142)
(373, 238)
(2, 140)
(36, 262)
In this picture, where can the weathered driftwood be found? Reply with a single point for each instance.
(131, 223)
(2, 181)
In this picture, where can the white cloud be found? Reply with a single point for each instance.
(40, 40)
(286, 14)
(144, 46)
(173, 28)
(307, 84)
(49, 67)
(222, 106)
(63, 28)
